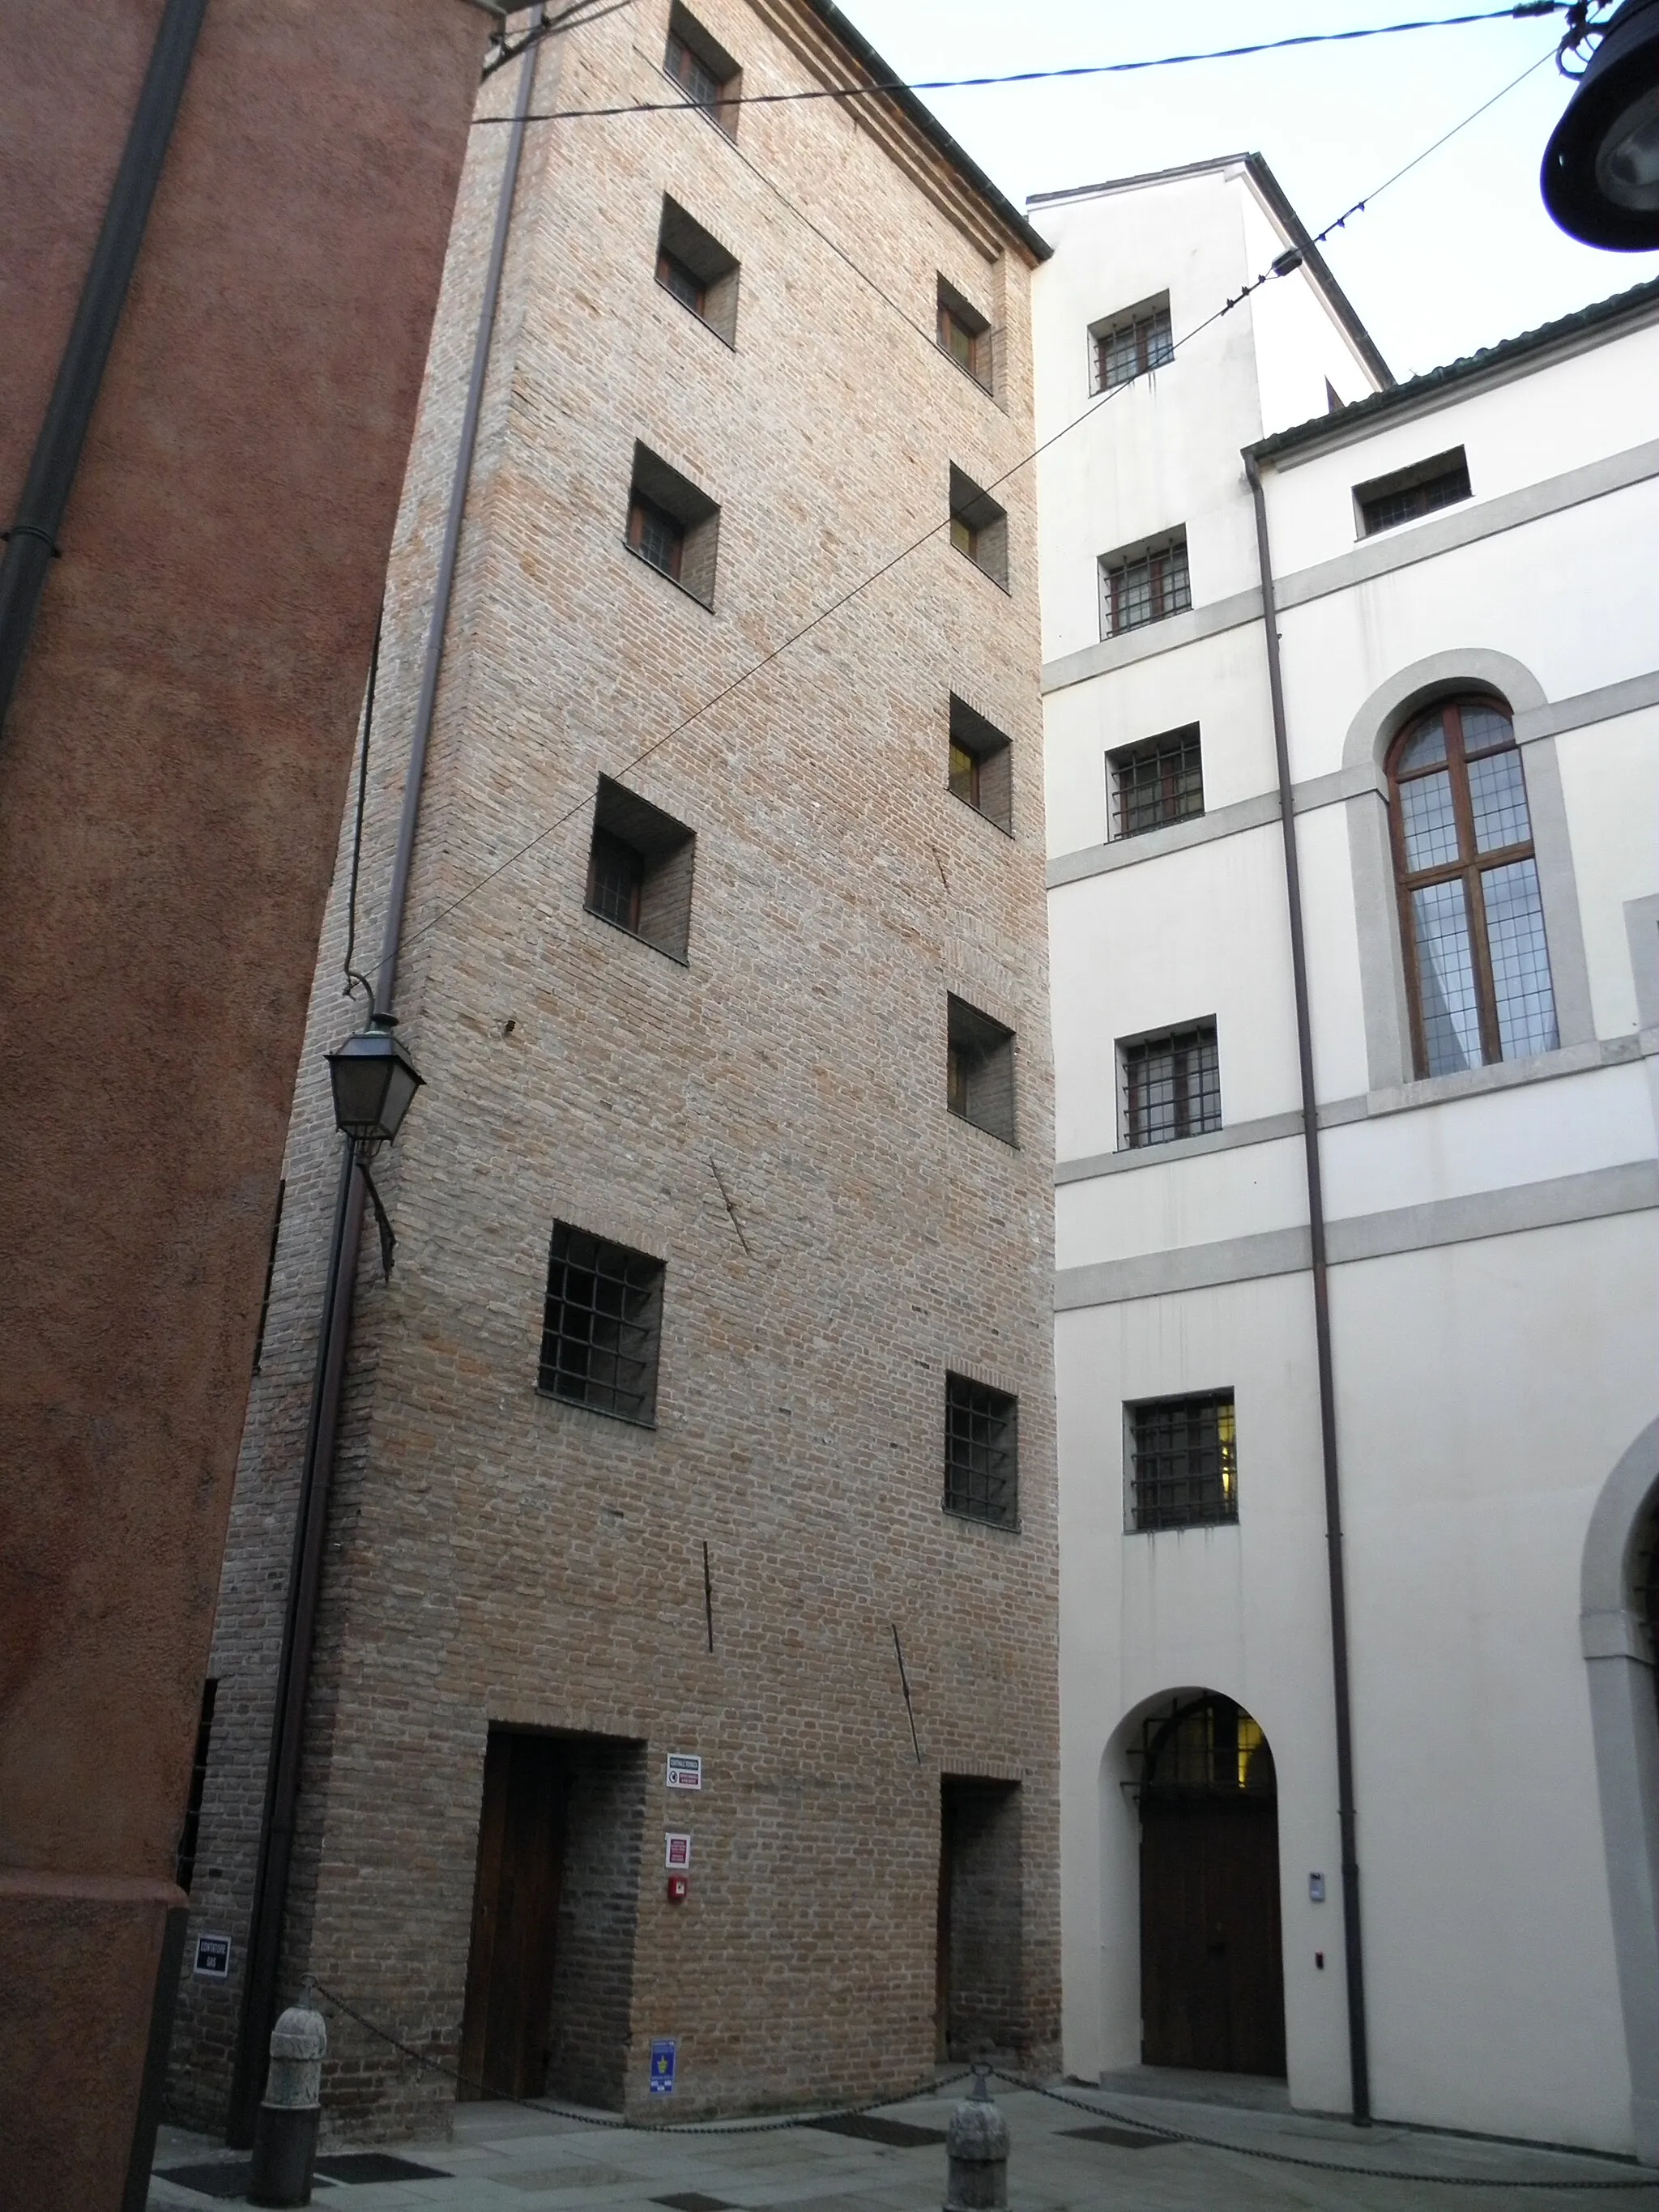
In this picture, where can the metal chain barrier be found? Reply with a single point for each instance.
(1316, 2165)
(772, 2126)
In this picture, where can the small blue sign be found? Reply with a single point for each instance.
(662, 2067)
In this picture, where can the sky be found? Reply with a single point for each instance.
(1456, 255)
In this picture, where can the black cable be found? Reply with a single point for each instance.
(881, 88)
(351, 975)
(1283, 264)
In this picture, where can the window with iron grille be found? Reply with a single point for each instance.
(1159, 782)
(980, 771)
(1124, 346)
(1388, 501)
(704, 70)
(964, 334)
(981, 1452)
(1146, 584)
(673, 526)
(979, 527)
(1471, 906)
(603, 1326)
(697, 270)
(979, 1069)
(1171, 1085)
(639, 869)
(1184, 1465)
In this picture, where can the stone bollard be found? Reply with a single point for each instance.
(976, 2149)
(285, 2133)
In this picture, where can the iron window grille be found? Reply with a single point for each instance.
(981, 769)
(697, 270)
(1157, 783)
(1128, 346)
(1387, 501)
(1183, 1462)
(979, 527)
(704, 70)
(981, 1452)
(1147, 587)
(603, 1326)
(965, 335)
(673, 526)
(639, 867)
(1199, 1748)
(979, 1069)
(1471, 908)
(1171, 1086)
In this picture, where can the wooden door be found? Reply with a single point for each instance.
(506, 2028)
(1212, 1972)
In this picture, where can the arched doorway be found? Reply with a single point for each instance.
(1212, 1972)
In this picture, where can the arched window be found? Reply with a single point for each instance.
(1477, 966)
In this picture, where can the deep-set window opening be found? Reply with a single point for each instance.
(1171, 1085)
(602, 1325)
(1183, 1461)
(981, 1451)
(1146, 584)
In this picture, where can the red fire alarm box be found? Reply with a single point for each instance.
(677, 1885)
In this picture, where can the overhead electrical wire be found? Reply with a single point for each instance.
(1283, 264)
(880, 87)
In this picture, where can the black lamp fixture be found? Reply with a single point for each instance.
(374, 1080)
(1600, 173)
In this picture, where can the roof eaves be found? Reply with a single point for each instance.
(930, 126)
(1319, 269)
(1640, 302)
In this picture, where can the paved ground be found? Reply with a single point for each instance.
(501, 2159)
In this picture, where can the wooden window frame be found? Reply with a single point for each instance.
(1469, 865)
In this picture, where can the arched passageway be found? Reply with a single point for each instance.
(1212, 1970)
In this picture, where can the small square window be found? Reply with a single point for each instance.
(1124, 346)
(1183, 1463)
(1386, 501)
(602, 1329)
(673, 526)
(1171, 1085)
(696, 268)
(964, 334)
(980, 765)
(979, 527)
(639, 870)
(981, 1452)
(1144, 584)
(1156, 783)
(704, 70)
(979, 1069)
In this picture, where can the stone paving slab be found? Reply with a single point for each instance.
(522, 2161)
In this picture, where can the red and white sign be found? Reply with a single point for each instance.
(676, 1853)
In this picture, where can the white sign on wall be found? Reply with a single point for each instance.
(684, 1770)
(676, 1853)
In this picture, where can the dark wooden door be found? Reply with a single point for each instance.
(1211, 1972)
(506, 2028)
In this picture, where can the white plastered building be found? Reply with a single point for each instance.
(1463, 578)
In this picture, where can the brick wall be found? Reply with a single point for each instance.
(498, 1556)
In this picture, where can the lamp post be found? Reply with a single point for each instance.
(373, 1082)
(1601, 172)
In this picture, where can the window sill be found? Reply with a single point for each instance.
(1000, 582)
(598, 1412)
(1182, 1528)
(731, 344)
(996, 1135)
(679, 959)
(1004, 829)
(979, 1521)
(978, 382)
(1134, 629)
(1410, 521)
(684, 590)
(1151, 829)
(1187, 1137)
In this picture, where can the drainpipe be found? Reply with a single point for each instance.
(32, 541)
(270, 1909)
(1359, 2055)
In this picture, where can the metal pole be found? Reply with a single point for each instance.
(31, 540)
(269, 1910)
(1358, 2055)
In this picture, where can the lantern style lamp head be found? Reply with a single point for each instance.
(1600, 173)
(374, 1080)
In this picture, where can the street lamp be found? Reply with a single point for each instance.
(374, 1080)
(1600, 173)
